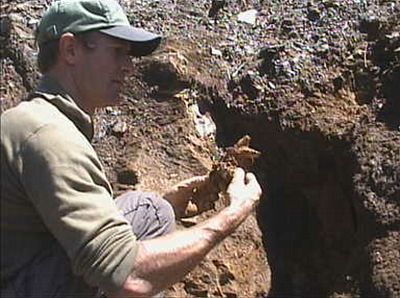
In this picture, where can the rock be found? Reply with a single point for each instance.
(338, 82)
(127, 176)
(303, 114)
(216, 52)
(5, 26)
(371, 26)
(203, 122)
(216, 6)
(313, 14)
(32, 23)
(287, 25)
(331, 3)
(248, 16)
(119, 128)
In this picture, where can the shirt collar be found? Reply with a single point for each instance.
(53, 92)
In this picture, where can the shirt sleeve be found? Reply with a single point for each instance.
(65, 182)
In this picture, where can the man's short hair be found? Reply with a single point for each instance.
(48, 51)
(47, 55)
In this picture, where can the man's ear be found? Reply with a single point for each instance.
(68, 48)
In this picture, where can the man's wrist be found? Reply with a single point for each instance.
(224, 223)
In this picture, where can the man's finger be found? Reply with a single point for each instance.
(238, 176)
(250, 177)
(252, 181)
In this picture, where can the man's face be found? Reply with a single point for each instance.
(104, 62)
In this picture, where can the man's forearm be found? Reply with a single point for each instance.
(164, 261)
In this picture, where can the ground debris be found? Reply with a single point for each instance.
(313, 80)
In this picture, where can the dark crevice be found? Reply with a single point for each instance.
(308, 215)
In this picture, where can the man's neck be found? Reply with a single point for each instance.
(67, 82)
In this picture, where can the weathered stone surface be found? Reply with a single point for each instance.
(314, 84)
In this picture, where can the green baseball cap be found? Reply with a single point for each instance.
(105, 16)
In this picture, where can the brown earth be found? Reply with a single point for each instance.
(315, 84)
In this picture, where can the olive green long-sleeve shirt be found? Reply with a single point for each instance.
(53, 186)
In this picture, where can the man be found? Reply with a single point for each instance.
(62, 233)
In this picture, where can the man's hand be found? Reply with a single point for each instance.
(163, 261)
(243, 191)
(180, 194)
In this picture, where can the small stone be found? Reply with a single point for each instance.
(216, 52)
(32, 22)
(331, 3)
(271, 85)
(393, 35)
(248, 16)
(313, 14)
(371, 26)
(323, 48)
(216, 6)
(338, 83)
(119, 128)
(287, 25)
(5, 26)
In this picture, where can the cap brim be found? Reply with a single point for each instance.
(143, 42)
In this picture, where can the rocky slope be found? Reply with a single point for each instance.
(314, 83)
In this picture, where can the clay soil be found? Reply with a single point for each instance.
(314, 83)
